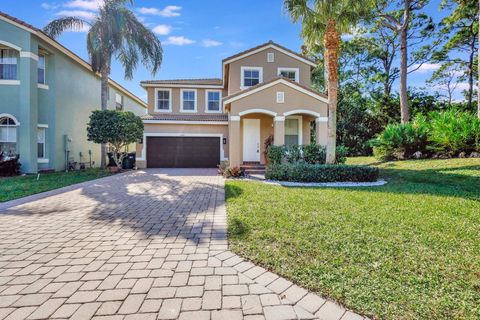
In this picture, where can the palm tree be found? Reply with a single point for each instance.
(114, 32)
(323, 23)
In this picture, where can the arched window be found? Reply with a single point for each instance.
(8, 135)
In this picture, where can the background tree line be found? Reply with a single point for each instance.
(377, 59)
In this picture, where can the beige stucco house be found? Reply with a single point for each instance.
(199, 122)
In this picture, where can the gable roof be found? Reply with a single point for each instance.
(42, 35)
(266, 45)
(264, 85)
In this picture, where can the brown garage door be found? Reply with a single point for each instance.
(183, 152)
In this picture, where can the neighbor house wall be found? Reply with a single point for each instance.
(63, 105)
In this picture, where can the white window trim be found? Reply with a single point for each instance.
(242, 77)
(194, 101)
(300, 127)
(270, 54)
(280, 97)
(155, 100)
(296, 70)
(10, 82)
(44, 84)
(44, 128)
(219, 102)
(143, 156)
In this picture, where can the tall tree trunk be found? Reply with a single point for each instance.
(332, 44)
(470, 76)
(405, 114)
(104, 105)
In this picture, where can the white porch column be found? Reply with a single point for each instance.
(279, 130)
(321, 130)
(234, 148)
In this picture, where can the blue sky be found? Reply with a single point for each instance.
(196, 35)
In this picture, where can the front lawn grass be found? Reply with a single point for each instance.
(21, 186)
(406, 250)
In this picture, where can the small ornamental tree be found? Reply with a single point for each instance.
(117, 129)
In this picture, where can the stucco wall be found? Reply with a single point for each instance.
(73, 93)
(267, 99)
(156, 129)
(176, 100)
(270, 69)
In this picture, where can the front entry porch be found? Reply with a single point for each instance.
(251, 132)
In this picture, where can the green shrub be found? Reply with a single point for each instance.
(304, 172)
(401, 141)
(310, 153)
(446, 133)
(275, 154)
(453, 132)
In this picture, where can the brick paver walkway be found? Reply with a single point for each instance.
(143, 245)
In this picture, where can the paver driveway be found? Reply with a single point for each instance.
(143, 245)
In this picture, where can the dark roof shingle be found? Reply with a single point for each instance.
(186, 117)
(209, 81)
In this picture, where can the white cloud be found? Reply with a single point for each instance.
(168, 11)
(207, 43)
(426, 67)
(162, 29)
(179, 41)
(76, 13)
(84, 4)
(48, 6)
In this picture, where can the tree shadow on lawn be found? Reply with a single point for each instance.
(149, 202)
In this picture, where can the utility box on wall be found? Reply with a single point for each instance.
(67, 143)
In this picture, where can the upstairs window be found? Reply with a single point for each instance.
(118, 101)
(289, 73)
(213, 101)
(8, 64)
(164, 100)
(41, 69)
(8, 136)
(189, 100)
(251, 76)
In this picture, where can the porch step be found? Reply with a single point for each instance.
(253, 168)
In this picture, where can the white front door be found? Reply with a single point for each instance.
(251, 140)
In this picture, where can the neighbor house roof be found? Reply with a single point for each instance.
(270, 44)
(187, 117)
(264, 85)
(42, 35)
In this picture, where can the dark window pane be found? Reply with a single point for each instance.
(291, 140)
(40, 151)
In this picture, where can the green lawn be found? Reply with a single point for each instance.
(406, 250)
(21, 186)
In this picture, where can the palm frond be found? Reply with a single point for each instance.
(58, 26)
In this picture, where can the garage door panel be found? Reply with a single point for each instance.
(183, 152)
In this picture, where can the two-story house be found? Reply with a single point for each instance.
(47, 94)
(264, 91)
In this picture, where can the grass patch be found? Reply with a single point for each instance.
(407, 250)
(22, 186)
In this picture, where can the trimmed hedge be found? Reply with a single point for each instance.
(304, 172)
(309, 153)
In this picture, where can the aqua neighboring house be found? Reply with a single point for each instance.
(47, 93)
